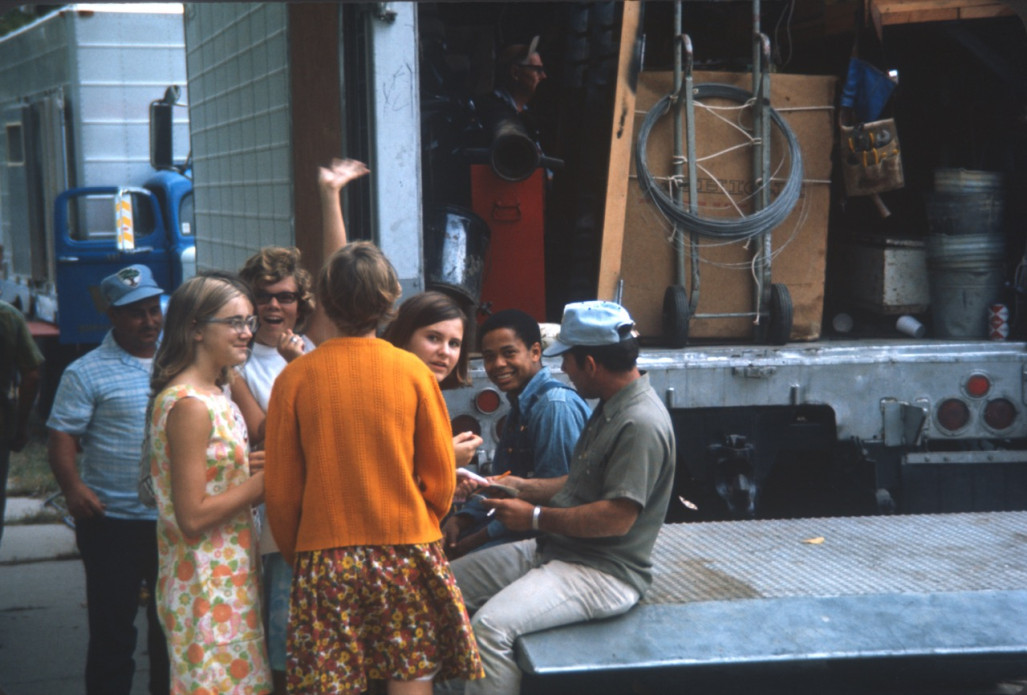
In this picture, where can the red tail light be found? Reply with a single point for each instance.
(953, 414)
(977, 386)
(500, 425)
(487, 401)
(1000, 414)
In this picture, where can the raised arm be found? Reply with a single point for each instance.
(330, 181)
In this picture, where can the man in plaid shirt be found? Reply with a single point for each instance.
(100, 410)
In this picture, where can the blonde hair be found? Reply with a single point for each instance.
(195, 300)
(357, 288)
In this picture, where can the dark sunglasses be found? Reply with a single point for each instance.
(538, 69)
(281, 297)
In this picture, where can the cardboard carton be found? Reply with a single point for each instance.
(644, 259)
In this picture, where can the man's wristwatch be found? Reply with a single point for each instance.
(536, 514)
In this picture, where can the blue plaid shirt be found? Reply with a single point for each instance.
(102, 400)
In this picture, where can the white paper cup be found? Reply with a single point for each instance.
(910, 326)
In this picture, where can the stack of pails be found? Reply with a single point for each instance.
(965, 250)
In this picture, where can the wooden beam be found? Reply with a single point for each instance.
(892, 12)
(315, 116)
(985, 11)
(918, 5)
(621, 142)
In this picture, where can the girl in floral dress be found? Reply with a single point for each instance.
(208, 588)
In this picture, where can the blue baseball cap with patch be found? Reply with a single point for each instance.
(591, 324)
(132, 284)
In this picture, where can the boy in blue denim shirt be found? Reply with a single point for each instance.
(545, 420)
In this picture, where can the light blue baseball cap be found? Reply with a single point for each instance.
(132, 284)
(591, 324)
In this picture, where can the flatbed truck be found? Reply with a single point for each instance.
(889, 449)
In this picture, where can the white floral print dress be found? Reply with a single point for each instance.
(208, 590)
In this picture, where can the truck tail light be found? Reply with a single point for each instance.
(487, 401)
(977, 386)
(465, 423)
(953, 414)
(500, 425)
(999, 414)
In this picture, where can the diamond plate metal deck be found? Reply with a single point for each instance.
(918, 554)
(757, 593)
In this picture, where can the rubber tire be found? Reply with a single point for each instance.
(779, 329)
(676, 316)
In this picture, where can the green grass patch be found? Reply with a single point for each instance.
(46, 515)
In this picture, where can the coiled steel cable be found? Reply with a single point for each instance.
(735, 229)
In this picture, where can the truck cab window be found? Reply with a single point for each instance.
(91, 218)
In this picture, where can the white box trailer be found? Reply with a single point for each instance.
(75, 87)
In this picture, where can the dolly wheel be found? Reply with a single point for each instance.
(676, 316)
(780, 328)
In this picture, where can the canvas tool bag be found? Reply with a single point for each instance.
(871, 157)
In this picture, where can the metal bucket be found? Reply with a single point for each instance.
(966, 275)
(965, 201)
(456, 244)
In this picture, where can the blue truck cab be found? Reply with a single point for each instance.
(90, 231)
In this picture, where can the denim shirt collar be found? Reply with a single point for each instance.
(533, 385)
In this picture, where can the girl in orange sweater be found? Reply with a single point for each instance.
(361, 470)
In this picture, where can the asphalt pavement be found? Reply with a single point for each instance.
(43, 625)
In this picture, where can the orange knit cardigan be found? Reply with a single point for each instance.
(359, 449)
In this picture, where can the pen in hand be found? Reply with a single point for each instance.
(490, 513)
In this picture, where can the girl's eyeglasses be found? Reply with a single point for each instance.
(239, 324)
(280, 297)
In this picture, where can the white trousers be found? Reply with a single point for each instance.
(510, 593)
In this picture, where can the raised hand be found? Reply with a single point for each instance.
(340, 173)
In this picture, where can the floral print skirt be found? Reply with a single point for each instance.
(368, 613)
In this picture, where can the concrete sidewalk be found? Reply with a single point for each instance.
(43, 624)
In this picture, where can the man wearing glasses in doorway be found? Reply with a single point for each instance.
(519, 71)
(99, 409)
